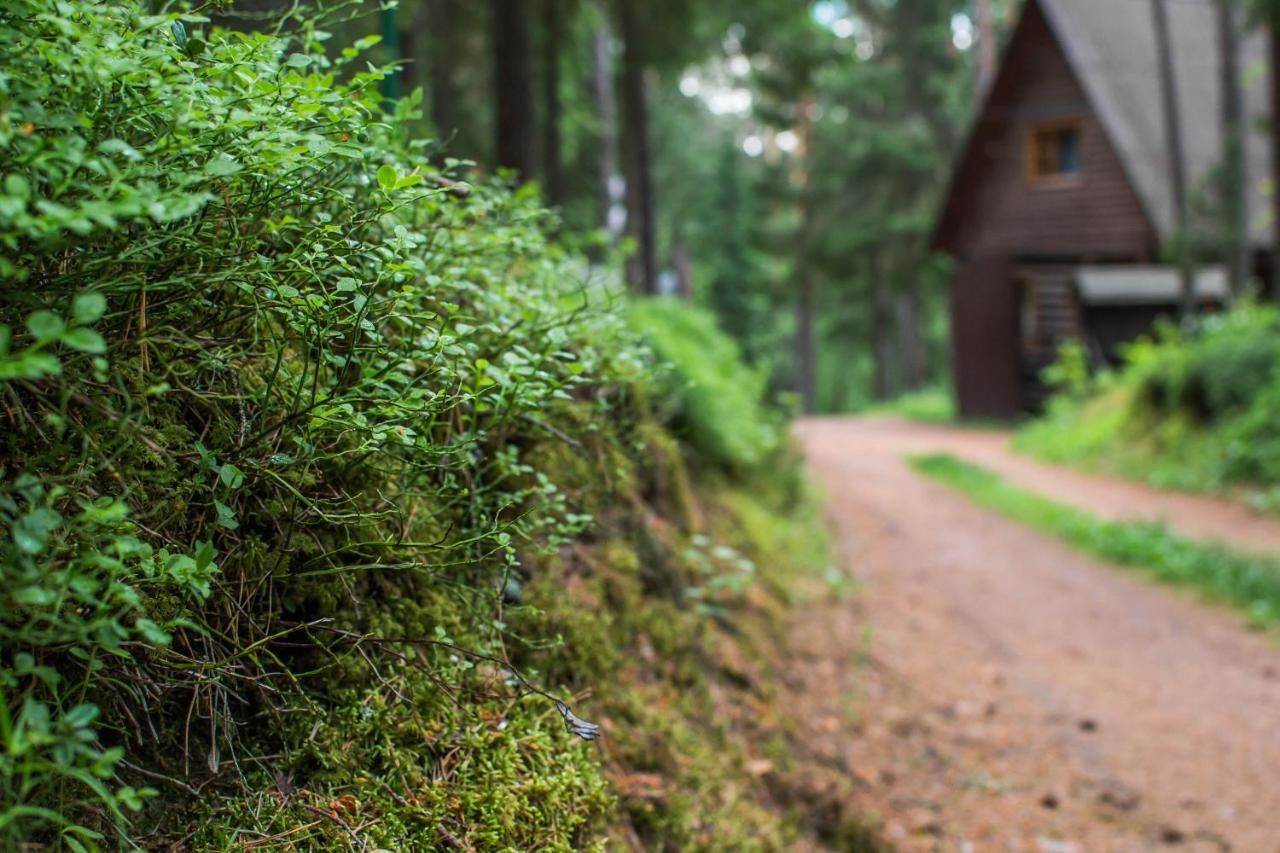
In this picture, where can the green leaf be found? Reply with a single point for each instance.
(45, 326)
(85, 340)
(17, 186)
(30, 365)
(226, 516)
(387, 177)
(81, 715)
(222, 165)
(31, 531)
(155, 635)
(89, 308)
(231, 476)
(35, 596)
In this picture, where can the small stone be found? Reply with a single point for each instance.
(1051, 845)
(1049, 801)
(1087, 725)
(1119, 796)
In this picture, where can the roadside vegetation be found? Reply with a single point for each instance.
(1248, 582)
(1191, 411)
(934, 405)
(344, 508)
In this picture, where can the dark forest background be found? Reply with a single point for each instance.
(777, 162)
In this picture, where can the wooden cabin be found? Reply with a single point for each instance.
(1059, 203)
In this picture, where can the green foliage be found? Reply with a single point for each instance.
(931, 405)
(243, 317)
(718, 398)
(1069, 375)
(1185, 411)
(1249, 582)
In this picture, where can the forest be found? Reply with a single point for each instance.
(742, 155)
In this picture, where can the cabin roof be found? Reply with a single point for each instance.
(1111, 48)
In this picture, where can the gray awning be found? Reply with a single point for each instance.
(1124, 285)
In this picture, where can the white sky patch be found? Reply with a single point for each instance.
(739, 65)
(690, 86)
(962, 33)
(826, 12)
(727, 101)
(842, 28)
(753, 146)
(787, 141)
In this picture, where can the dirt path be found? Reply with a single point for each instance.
(1016, 695)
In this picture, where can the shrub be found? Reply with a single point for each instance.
(718, 399)
(1186, 410)
(243, 316)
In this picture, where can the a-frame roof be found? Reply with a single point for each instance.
(1111, 48)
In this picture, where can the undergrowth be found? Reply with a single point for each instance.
(342, 508)
(1191, 411)
(1246, 581)
(933, 405)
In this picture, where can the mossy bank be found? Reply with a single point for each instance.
(343, 506)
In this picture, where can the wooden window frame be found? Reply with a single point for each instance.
(1034, 130)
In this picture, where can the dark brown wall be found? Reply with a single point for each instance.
(984, 334)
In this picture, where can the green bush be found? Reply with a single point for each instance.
(1194, 411)
(1216, 373)
(718, 399)
(243, 314)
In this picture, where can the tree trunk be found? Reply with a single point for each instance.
(612, 210)
(683, 265)
(1173, 143)
(391, 43)
(806, 339)
(1274, 27)
(1235, 195)
(513, 87)
(552, 42)
(441, 25)
(910, 344)
(643, 269)
(986, 46)
(882, 338)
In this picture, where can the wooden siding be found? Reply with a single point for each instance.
(984, 330)
(994, 208)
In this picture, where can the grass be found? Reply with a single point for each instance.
(1249, 582)
(933, 405)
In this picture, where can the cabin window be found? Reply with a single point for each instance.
(1053, 152)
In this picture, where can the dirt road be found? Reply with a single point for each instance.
(991, 689)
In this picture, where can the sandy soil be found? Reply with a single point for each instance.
(991, 689)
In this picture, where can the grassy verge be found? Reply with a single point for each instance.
(1249, 582)
(1186, 410)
